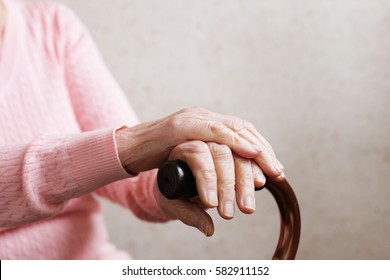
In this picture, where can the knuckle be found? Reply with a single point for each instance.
(209, 174)
(175, 122)
(245, 180)
(238, 124)
(222, 132)
(221, 151)
(228, 191)
(242, 162)
(229, 184)
(214, 127)
(234, 138)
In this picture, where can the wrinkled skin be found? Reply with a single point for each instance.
(227, 156)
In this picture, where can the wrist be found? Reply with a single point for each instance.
(122, 145)
(143, 147)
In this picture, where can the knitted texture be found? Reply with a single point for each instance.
(59, 109)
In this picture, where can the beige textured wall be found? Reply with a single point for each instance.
(313, 76)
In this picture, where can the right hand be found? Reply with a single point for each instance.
(223, 179)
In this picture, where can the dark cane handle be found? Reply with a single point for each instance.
(175, 180)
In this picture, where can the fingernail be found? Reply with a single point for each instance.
(249, 202)
(280, 177)
(259, 178)
(228, 209)
(202, 226)
(212, 198)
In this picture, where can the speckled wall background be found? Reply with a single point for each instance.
(314, 78)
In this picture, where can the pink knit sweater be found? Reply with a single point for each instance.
(59, 108)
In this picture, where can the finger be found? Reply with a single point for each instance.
(244, 185)
(224, 168)
(200, 124)
(279, 178)
(267, 158)
(198, 157)
(219, 133)
(279, 168)
(192, 215)
(258, 175)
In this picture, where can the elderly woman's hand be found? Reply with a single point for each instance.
(148, 145)
(223, 179)
(227, 156)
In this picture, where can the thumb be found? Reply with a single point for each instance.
(192, 215)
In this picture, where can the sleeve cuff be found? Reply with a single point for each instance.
(94, 159)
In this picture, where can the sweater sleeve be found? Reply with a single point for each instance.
(99, 102)
(38, 178)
